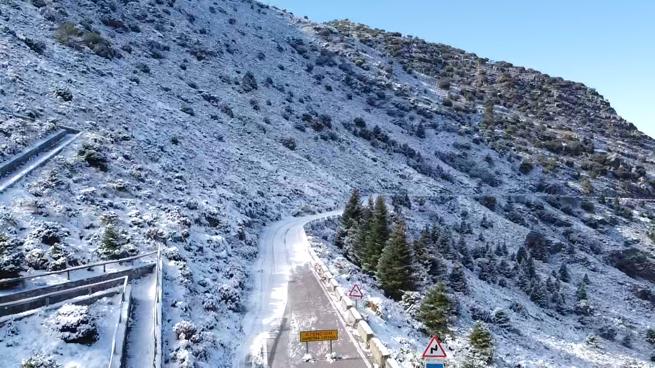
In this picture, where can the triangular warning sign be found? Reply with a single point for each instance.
(355, 292)
(434, 349)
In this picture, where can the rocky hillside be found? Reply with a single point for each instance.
(205, 120)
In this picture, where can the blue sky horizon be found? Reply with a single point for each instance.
(607, 45)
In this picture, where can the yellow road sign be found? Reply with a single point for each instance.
(319, 335)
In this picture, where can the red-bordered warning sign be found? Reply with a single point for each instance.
(356, 292)
(434, 350)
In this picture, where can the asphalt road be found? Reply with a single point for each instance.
(287, 298)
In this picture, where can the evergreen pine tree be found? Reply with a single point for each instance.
(482, 342)
(564, 273)
(581, 293)
(394, 269)
(378, 234)
(538, 294)
(110, 243)
(359, 233)
(353, 210)
(466, 258)
(423, 258)
(457, 279)
(504, 269)
(436, 310)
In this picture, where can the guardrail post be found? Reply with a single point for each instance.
(104, 268)
(68, 275)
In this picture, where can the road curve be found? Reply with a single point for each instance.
(275, 311)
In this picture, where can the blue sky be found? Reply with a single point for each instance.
(608, 45)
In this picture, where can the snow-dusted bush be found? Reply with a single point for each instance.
(289, 143)
(248, 82)
(75, 324)
(40, 361)
(184, 330)
(48, 233)
(231, 297)
(210, 303)
(93, 157)
(11, 258)
(36, 258)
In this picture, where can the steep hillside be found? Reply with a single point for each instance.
(203, 121)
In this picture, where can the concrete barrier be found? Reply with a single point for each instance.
(353, 317)
(333, 285)
(380, 352)
(365, 332)
(392, 363)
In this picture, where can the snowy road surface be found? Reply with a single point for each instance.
(277, 310)
(140, 339)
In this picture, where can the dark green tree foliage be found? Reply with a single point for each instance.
(429, 263)
(394, 270)
(376, 237)
(650, 336)
(564, 273)
(537, 244)
(353, 211)
(581, 293)
(539, 293)
(435, 311)
(457, 279)
(422, 258)
(482, 342)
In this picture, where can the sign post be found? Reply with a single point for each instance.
(318, 335)
(434, 354)
(356, 293)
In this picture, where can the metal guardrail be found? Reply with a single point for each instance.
(49, 146)
(49, 298)
(40, 147)
(18, 280)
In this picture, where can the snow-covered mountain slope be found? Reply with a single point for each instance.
(204, 120)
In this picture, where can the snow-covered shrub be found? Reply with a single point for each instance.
(48, 233)
(607, 333)
(592, 340)
(184, 330)
(210, 303)
(40, 361)
(289, 143)
(11, 257)
(501, 318)
(248, 82)
(93, 157)
(230, 296)
(36, 258)
(75, 324)
(583, 308)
